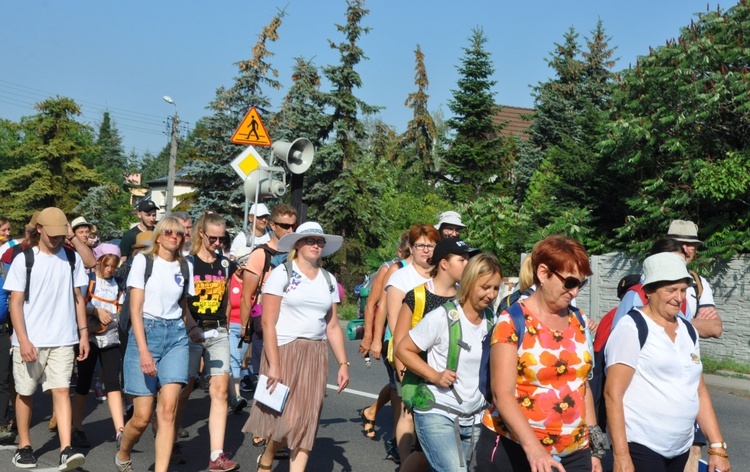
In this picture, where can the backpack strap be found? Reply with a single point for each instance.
(185, 270)
(519, 321)
(455, 342)
(28, 253)
(289, 270)
(698, 285)
(690, 328)
(91, 287)
(641, 325)
(71, 255)
(589, 336)
(420, 298)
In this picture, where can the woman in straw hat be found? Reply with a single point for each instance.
(299, 315)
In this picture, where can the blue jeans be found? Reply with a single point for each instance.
(236, 354)
(168, 344)
(438, 439)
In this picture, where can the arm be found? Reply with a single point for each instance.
(83, 330)
(336, 341)
(87, 256)
(401, 331)
(707, 322)
(28, 351)
(193, 331)
(380, 317)
(372, 301)
(619, 377)
(504, 369)
(408, 352)
(271, 306)
(596, 462)
(710, 426)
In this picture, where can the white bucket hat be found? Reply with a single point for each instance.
(684, 231)
(451, 218)
(311, 228)
(665, 267)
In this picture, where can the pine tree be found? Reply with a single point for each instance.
(303, 112)
(53, 144)
(421, 133)
(475, 161)
(111, 160)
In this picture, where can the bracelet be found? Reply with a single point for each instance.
(716, 452)
(597, 441)
(346, 363)
(84, 328)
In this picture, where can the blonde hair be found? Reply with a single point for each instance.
(478, 266)
(207, 218)
(171, 223)
(526, 275)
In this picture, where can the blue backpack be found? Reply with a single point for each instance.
(519, 323)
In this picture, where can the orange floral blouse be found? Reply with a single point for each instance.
(553, 368)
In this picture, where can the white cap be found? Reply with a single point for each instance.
(259, 209)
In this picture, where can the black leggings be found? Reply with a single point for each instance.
(644, 459)
(109, 358)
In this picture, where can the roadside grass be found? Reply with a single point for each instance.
(347, 311)
(727, 367)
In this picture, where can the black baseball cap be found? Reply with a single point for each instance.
(146, 205)
(448, 246)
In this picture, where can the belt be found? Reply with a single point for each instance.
(4, 327)
(212, 324)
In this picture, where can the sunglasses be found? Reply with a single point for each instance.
(570, 283)
(286, 226)
(313, 241)
(213, 239)
(170, 232)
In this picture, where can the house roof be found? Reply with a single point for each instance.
(515, 124)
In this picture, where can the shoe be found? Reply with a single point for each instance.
(125, 466)
(177, 456)
(70, 459)
(237, 404)
(222, 464)
(100, 395)
(52, 426)
(24, 458)
(79, 439)
(183, 433)
(7, 437)
(247, 384)
(391, 451)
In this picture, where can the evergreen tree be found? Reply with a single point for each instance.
(220, 189)
(475, 161)
(53, 143)
(111, 160)
(9, 140)
(302, 114)
(421, 132)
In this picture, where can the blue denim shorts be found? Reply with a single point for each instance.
(236, 354)
(168, 344)
(437, 436)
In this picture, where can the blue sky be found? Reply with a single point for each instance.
(124, 56)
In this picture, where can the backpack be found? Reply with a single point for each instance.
(3, 294)
(420, 298)
(600, 373)
(29, 255)
(92, 322)
(125, 308)
(519, 323)
(414, 393)
(511, 299)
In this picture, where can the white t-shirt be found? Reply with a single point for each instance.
(405, 279)
(432, 335)
(163, 289)
(108, 290)
(240, 241)
(49, 314)
(304, 304)
(661, 402)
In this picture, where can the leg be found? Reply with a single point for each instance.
(438, 439)
(166, 407)
(86, 369)
(143, 408)
(370, 413)
(272, 447)
(298, 460)
(23, 419)
(61, 407)
(217, 416)
(404, 432)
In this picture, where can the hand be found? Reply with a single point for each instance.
(343, 377)
(83, 347)
(592, 325)
(364, 345)
(445, 378)
(718, 463)
(274, 377)
(541, 461)
(148, 366)
(28, 351)
(623, 464)
(71, 234)
(196, 334)
(707, 313)
(376, 348)
(596, 464)
(105, 317)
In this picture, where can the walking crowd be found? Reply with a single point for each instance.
(523, 382)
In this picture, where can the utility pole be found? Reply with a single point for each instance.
(172, 156)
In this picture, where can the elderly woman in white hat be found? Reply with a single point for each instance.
(655, 389)
(299, 315)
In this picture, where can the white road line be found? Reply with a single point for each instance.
(353, 392)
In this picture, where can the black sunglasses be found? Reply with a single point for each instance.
(570, 283)
(170, 232)
(286, 226)
(313, 241)
(213, 239)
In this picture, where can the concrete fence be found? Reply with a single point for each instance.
(730, 282)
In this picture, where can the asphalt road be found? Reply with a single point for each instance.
(340, 445)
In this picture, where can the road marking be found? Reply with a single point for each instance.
(335, 388)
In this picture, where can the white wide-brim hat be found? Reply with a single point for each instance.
(307, 229)
(665, 267)
(451, 218)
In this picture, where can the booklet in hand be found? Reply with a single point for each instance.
(275, 400)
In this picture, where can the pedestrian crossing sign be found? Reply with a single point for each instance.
(251, 131)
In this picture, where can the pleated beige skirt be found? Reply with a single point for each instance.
(304, 369)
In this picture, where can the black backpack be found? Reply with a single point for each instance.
(125, 311)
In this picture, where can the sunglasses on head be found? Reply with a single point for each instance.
(170, 232)
(286, 226)
(313, 241)
(570, 283)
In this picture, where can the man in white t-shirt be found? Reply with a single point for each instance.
(259, 215)
(48, 313)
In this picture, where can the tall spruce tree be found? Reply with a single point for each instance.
(421, 133)
(302, 114)
(220, 189)
(475, 161)
(53, 143)
(111, 160)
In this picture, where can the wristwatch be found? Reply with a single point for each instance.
(722, 445)
(346, 363)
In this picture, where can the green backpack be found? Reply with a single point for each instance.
(414, 391)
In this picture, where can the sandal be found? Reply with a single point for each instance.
(368, 426)
(282, 454)
(262, 466)
(261, 443)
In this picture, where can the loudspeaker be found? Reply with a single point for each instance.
(298, 154)
(268, 186)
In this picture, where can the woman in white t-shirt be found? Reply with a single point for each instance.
(156, 359)
(655, 389)
(299, 316)
(452, 400)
